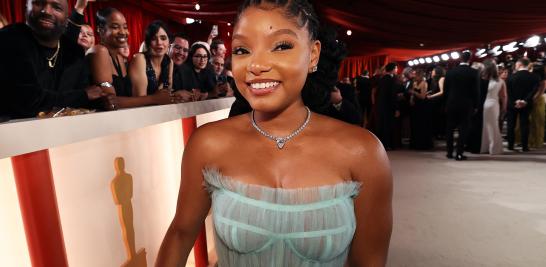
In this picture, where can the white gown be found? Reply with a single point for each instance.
(491, 136)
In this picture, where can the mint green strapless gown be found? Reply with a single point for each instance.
(258, 226)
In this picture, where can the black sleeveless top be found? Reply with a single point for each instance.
(121, 84)
(153, 83)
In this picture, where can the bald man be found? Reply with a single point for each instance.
(41, 67)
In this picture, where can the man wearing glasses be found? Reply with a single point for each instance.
(195, 79)
(179, 49)
(178, 52)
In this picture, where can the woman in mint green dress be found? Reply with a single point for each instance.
(286, 185)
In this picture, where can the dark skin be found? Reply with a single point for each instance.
(114, 36)
(326, 152)
(47, 18)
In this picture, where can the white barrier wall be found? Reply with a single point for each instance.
(13, 245)
(82, 173)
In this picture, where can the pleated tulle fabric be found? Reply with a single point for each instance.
(263, 226)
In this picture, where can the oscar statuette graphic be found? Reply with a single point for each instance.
(122, 192)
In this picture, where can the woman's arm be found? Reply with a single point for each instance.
(441, 87)
(171, 69)
(100, 66)
(193, 203)
(137, 72)
(373, 206)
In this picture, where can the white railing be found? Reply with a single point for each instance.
(25, 136)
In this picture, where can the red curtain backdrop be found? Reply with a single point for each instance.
(353, 66)
(13, 10)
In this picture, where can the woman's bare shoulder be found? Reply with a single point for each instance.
(358, 149)
(218, 135)
(138, 58)
(349, 136)
(99, 50)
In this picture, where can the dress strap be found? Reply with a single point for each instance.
(117, 66)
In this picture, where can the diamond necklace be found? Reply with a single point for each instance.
(282, 140)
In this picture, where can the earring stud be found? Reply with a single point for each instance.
(313, 69)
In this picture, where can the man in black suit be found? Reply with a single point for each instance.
(343, 104)
(521, 87)
(462, 94)
(41, 68)
(364, 88)
(387, 106)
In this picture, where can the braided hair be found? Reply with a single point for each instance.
(319, 84)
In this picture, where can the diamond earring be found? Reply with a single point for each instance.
(313, 69)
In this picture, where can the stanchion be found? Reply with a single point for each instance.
(200, 247)
(39, 210)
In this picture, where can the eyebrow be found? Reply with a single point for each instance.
(275, 33)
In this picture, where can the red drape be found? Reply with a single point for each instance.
(353, 66)
(13, 10)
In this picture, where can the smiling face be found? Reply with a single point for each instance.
(200, 59)
(86, 38)
(115, 33)
(159, 43)
(179, 50)
(47, 18)
(272, 56)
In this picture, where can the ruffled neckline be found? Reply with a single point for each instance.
(215, 180)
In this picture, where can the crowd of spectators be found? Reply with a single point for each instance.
(410, 107)
(55, 61)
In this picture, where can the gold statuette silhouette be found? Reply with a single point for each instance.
(122, 191)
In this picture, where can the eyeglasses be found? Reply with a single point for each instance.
(201, 57)
(180, 48)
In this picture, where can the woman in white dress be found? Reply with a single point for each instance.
(494, 102)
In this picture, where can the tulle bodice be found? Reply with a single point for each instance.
(263, 226)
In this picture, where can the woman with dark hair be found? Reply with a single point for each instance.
(325, 78)
(152, 70)
(108, 67)
(436, 101)
(421, 132)
(198, 78)
(283, 182)
(496, 93)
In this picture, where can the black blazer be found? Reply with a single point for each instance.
(364, 86)
(387, 90)
(185, 78)
(522, 85)
(22, 93)
(462, 88)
